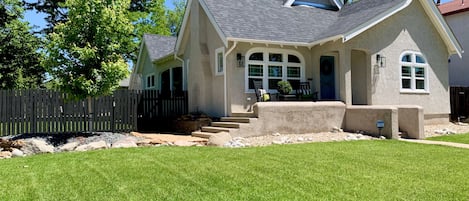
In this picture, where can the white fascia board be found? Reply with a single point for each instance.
(381, 17)
(338, 3)
(325, 40)
(454, 47)
(139, 57)
(288, 3)
(183, 26)
(268, 42)
(214, 23)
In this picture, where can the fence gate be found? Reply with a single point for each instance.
(459, 103)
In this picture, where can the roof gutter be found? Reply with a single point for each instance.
(225, 93)
(184, 79)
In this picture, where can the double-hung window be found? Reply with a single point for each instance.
(414, 73)
(150, 81)
(272, 66)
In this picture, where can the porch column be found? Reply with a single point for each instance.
(345, 76)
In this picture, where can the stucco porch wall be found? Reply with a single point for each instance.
(297, 117)
(411, 120)
(315, 117)
(364, 118)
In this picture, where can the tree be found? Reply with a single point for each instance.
(19, 50)
(85, 54)
(176, 15)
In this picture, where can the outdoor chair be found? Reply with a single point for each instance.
(261, 93)
(304, 92)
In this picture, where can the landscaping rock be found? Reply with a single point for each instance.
(17, 153)
(337, 130)
(36, 146)
(445, 131)
(5, 155)
(219, 139)
(69, 146)
(275, 134)
(237, 142)
(184, 144)
(126, 142)
(93, 146)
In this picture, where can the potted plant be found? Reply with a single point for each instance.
(284, 87)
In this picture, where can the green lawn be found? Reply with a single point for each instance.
(459, 138)
(359, 170)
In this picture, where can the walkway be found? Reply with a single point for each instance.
(450, 144)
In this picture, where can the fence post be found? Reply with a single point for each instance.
(113, 115)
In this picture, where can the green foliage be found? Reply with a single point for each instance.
(19, 50)
(360, 170)
(86, 53)
(284, 87)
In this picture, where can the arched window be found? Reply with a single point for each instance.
(414, 72)
(273, 65)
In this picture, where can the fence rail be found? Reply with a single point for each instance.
(45, 111)
(459, 97)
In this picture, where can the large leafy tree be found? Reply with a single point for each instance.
(86, 53)
(19, 50)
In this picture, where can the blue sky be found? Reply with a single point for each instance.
(37, 19)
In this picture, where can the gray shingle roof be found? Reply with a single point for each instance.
(353, 15)
(159, 46)
(269, 20)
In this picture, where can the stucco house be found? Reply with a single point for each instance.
(456, 13)
(368, 52)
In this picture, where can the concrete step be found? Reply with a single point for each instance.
(201, 134)
(235, 119)
(212, 129)
(244, 114)
(225, 124)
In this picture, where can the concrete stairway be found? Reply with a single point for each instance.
(226, 124)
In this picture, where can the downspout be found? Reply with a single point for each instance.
(184, 77)
(225, 93)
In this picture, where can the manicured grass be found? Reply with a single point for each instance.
(459, 138)
(359, 170)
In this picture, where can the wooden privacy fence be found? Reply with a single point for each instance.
(45, 111)
(459, 97)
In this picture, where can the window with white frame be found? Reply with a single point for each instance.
(414, 72)
(150, 81)
(271, 66)
(220, 61)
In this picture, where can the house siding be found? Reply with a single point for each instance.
(408, 30)
(459, 67)
(206, 89)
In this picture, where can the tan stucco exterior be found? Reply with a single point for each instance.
(360, 80)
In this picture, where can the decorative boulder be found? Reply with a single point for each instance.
(92, 146)
(36, 146)
(219, 139)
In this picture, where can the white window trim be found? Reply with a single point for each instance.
(413, 64)
(221, 51)
(147, 85)
(265, 63)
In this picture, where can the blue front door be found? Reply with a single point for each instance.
(327, 71)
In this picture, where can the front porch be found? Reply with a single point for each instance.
(316, 117)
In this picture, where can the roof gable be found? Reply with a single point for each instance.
(269, 21)
(159, 46)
